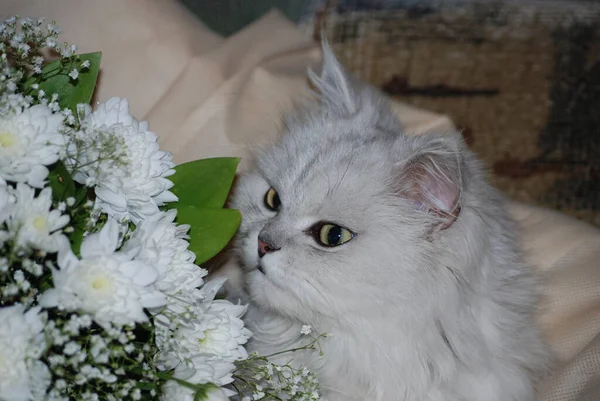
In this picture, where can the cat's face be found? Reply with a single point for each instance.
(338, 214)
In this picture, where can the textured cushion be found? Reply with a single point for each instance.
(208, 96)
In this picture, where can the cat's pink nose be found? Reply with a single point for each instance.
(264, 248)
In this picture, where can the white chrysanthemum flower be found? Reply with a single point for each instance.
(30, 140)
(205, 369)
(22, 376)
(219, 394)
(205, 338)
(173, 391)
(202, 369)
(164, 245)
(119, 156)
(178, 312)
(32, 222)
(105, 283)
(218, 330)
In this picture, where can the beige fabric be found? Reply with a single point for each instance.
(208, 96)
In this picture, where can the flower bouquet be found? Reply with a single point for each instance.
(101, 238)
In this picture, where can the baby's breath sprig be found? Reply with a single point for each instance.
(97, 363)
(25, 45)
(257, 378)
(94, 153)
(30, 55)
(21, 41)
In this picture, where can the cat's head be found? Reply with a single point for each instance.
(345, 209)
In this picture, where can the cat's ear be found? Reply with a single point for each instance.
(334, 85)
(432, 178)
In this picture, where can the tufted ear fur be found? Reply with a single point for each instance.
(334, 85)
(432, 180)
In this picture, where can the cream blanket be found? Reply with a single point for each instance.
(209, 96)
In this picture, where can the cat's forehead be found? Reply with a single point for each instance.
(340, 170)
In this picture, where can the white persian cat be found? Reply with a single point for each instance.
(395, 245)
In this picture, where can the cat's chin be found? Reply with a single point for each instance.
(260, 285)
(267, 292)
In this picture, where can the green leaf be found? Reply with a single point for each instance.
(202, 391)
(146, 385)
(61, 182)
(204, 183)
(81, 193)
(55, 79)
(211, 229)
(76, 239)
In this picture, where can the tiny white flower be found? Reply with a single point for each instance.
(53, 28)
(105, 283)
(11, 289)
(74, 74)
(306, 329)
(22, 376)
(51, 43)
(32, 222)
(19, 277)
(71, 348)
(30, 140)
(68, 114)
(3, 265)
(85, 64)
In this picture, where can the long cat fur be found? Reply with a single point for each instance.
(431, 300)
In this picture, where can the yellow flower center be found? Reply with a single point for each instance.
(40, 223)
(100, 283)
(7, 139)
(204, 340)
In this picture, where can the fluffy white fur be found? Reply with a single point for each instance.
(430, 301)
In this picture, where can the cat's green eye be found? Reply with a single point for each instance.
(272, 200)
(328, 234)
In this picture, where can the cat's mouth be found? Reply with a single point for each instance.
(260, 269)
